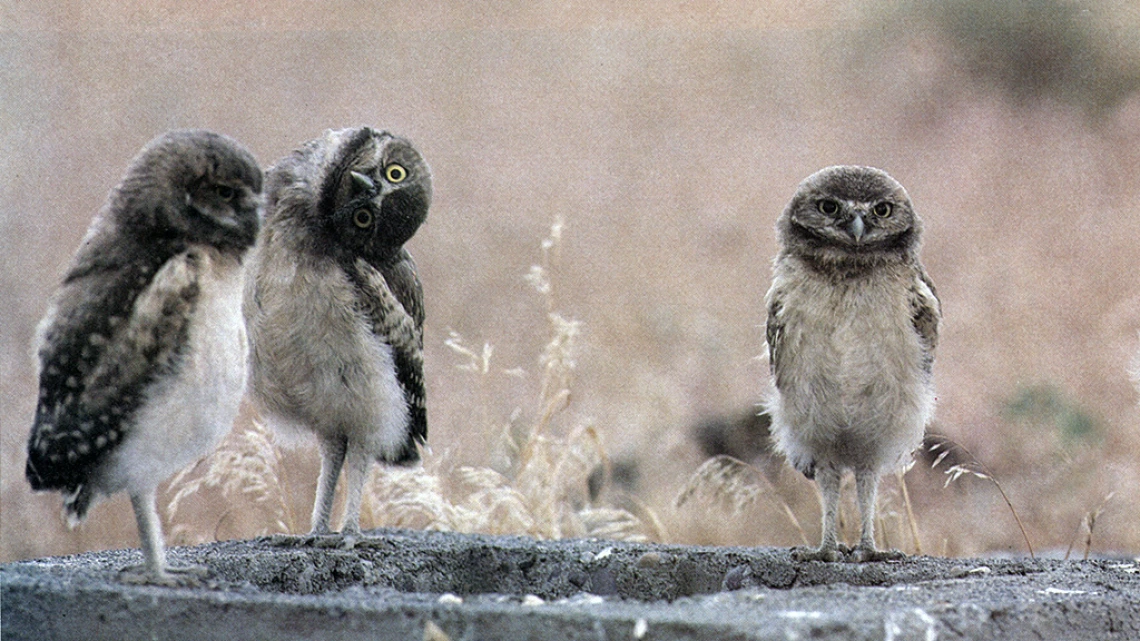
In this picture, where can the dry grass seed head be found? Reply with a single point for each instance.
(544, 492)
(410, 498)
(245, 467)
(732, 483)
(971, 466)
(724, 479)
(612, 523)
(1088, 524)
(479, 363)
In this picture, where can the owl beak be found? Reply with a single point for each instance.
(856, 228)
(361, 183)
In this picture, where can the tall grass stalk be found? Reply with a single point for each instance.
(974, 467)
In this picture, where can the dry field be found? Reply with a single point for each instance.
(607, 178)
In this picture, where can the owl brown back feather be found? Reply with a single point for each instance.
(97, 365)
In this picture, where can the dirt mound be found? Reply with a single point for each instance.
(392, 584)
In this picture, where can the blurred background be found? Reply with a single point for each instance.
(666, 136)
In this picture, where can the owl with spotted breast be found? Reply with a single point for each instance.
(334, 307)
(142, 350)
(852, 326)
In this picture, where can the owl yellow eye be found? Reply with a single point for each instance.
(882, 210)
(395, 173)
(828, 207)
(362, 218)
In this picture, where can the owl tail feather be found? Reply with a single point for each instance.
(76, 502)
(32, 473)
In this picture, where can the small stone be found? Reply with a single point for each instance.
(448, 598)
(650, 560)
(962, 571)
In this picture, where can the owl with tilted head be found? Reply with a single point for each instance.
(334, 307)
(142, 350)
(852, 327)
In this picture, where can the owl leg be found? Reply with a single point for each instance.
(357, 464)
(150, 533)
(827, 477)
(867, 486)
(154, 570)
(332, 458)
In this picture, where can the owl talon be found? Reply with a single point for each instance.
(863, 554)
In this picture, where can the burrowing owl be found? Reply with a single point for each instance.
(335, 310)
(142, 350)
(852, 326)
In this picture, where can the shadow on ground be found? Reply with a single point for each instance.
(394, 584)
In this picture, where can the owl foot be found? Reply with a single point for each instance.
(192, 576)
(828, 554)
(865, 554)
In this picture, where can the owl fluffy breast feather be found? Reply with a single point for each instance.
(305, 388)
(851, 385)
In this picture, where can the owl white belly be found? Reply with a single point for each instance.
(322, 369)
(854, 390)
(186, 415)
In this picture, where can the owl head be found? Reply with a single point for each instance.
(191, 185)
(373, 196)
(852, 215)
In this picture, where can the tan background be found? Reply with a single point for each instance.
(668, 136)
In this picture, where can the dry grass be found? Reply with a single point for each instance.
(668, 143)
(542, 492)
(971, 466)
(1088, 524)
(735, 484)
(246, 470)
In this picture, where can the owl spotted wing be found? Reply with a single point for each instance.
(926, 312)
(392, 298)
(100, 351)
(405, 285)
(774, 331)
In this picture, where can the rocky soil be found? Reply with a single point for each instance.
(395, 584)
